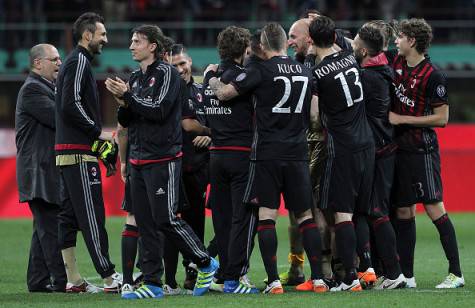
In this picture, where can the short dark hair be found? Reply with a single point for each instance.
(168, 43)
(322, 31)
(177, 49)
(388, 29)
(86, 21)
(418, 29)
(256, 41)
(232, 42)
(308, 12)
(154, 35)
(373, 39)
(273, 37)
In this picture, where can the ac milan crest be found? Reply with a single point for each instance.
(441, 90)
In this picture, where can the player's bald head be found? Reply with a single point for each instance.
(301, 26)
(299, 38)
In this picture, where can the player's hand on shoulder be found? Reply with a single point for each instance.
(211, 67)
(201, 141)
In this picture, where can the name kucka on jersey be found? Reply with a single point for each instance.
(337, 83)
(281, 88)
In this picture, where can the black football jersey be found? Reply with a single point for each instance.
(338, 85)
(230, 121)
(193, 108)
(418, 90)
(281, 88)
(341, 41)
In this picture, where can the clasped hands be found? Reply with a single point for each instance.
(117, 87)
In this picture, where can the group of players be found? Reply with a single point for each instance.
(344, 132)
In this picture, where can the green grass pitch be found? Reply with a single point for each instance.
(430, 269)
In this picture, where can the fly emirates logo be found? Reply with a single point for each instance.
(400, 94)
(215, 108)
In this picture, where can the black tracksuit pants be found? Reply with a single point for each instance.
(234, 222)
(45, 264)
(83, 210)
(155, 195)
(195, 188)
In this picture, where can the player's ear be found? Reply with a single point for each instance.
(87, 35)
(36, 63)
(412, 41)
(153, 46)
(309, 40)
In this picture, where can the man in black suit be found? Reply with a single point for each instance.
(37, 175)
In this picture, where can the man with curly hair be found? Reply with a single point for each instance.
(231, 135)
(420, 104)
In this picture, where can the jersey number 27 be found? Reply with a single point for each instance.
(287, 89)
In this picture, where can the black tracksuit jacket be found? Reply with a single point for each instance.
(153, 115)
(78, 117)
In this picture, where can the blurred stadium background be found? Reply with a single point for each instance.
(196, 23)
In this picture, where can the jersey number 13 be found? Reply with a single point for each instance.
(349, 100)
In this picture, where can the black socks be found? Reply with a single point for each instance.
(130, 237)
(345, 238)
(312, 244)
(449, 243)
(268, 246)
(406, 244)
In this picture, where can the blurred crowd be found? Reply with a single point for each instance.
(197, 22)
(218, 10)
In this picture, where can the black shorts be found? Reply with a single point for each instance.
(127, 201)
(268, 179)
(347, 182)
(382, 185)
(417, 179)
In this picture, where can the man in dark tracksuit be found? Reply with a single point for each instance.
(377, 79)
(37, 175)
(78, 125)
(231, 134)
(153, 101)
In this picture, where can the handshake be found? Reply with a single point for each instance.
(107, 152)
